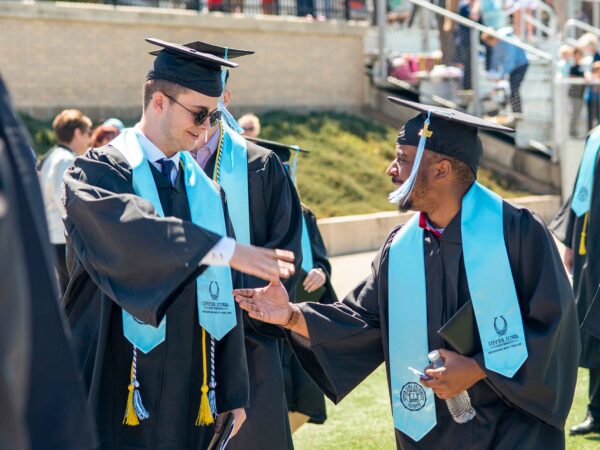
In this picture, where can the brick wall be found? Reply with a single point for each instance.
(94, 57)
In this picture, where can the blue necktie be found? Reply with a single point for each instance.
(166, 168)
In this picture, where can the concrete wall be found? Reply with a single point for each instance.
(363, 233)
(94, 57)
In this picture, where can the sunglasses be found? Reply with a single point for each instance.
(201, 116)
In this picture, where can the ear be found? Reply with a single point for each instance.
(442, 169)
(157, 103)
(226, 97)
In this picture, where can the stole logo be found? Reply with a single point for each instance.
(582, 195)
(214, 292)
(500, 330)
(413, 396)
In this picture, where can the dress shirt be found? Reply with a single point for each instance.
(207, 150)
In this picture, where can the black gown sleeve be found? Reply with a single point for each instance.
(563, 224)
(545, 384)
(135, 256)
(345, 338)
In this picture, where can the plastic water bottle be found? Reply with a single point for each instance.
(460, 406)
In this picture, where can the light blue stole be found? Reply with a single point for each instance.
(307, 254)
(232, 175)
(493, 295)
(582, 195)
(216, 309)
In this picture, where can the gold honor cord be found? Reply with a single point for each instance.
(216, 173)
(582, 250)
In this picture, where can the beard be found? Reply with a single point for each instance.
(416, 201)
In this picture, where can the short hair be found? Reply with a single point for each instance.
(167, 87)
(103, 132)
(254, 120)
(577, 51)
(67, 121)
(464, 174)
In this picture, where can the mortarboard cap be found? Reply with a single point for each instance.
(283, 151)
(221, 52)
(450, 132)
(114, 122)
(188, 67)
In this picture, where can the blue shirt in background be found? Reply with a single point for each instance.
(507, 57)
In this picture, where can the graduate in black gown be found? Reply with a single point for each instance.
(132, 264)
(304, 399)
(43, 401)
(581, 235)
(341, 344)
(272, 219)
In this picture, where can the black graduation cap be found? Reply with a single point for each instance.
(188, 67)
(217, 50)
(450, 132)
(283, 151)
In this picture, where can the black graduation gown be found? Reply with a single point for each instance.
(122, 255)
(275, 222)
(43, 402)
(350, 339)
(302, 394)
(586, 268)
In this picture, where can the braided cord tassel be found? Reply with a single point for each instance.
(204, 414)
(134, 410)
(212, 385)
(582, 250)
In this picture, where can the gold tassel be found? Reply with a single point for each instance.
(205, 416)
(582, 250)
(131, 417)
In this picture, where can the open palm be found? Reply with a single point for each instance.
(268, 304)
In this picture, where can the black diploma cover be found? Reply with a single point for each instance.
(220, 439)
(461, 331)
(304, 296)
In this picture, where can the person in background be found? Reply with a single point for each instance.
(305, 401)
(576, 91)
(565, 62)
(114, 122)
(592, 96)
(265, 211)
(251, 125)
(73, 131)
(509, 60)
(103, 134)
(577, 226)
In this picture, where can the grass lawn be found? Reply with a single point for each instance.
(363, 421)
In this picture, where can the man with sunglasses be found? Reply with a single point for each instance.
(159, 339)
(265, 210)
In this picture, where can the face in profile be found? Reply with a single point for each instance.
(399, 170)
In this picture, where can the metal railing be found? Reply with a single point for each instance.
(570, 27)
(317, 9)
(475, 30)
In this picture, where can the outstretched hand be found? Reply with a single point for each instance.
(268, 304)
(268, 264)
